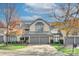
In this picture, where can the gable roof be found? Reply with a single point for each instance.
(56, 24)
(26, 22)
(39, 19)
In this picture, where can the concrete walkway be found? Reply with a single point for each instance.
(34, 50)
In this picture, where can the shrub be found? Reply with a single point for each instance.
(55, 42)
(22, 38)
(26, 38)
(51, 41)
(61, 41)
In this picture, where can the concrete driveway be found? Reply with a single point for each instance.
(34, 50)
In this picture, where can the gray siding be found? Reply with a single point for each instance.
(1, 38)
(34, 40)
(77, 40)
(44, 40)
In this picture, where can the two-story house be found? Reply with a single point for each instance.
(35, 32)
(38, 31)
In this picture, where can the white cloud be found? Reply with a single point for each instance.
(30, 17)
(40, 5)
(41, 8)
(44, 8)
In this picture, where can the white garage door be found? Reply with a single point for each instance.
(39, 40)
(44, 40)
(69, 40)
(34, 40)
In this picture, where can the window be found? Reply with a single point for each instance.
(18, 26)
(39, 27)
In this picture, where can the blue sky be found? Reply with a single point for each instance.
(32, 11)
(26, 12)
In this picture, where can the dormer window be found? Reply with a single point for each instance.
(39, 27)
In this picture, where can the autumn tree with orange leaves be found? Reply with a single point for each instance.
(13, 27)
(9, 12)
(68, 14)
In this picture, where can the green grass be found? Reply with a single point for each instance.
(11, 46)
(66, 51)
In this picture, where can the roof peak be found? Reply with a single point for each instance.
(39, 19)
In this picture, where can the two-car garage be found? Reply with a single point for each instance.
(39, 39)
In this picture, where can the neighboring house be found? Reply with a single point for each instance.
(15, 31)
(73, 34)
(2, 32)
(2, 36)
(72, 38)
(12, 35)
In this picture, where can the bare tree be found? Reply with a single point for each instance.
(64, 12)
(8, 12)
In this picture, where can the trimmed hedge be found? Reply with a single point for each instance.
(51, 41)
(22, 38)
(60, 42)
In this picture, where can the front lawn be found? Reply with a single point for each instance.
(11, 46)
(66, 51)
